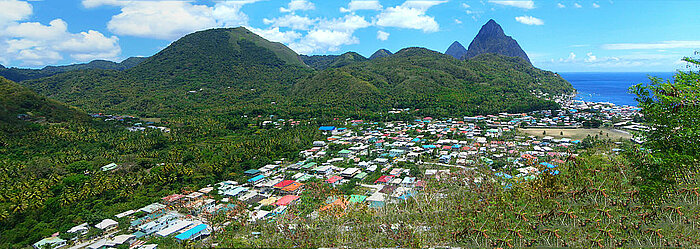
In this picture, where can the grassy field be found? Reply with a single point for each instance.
(578, 133)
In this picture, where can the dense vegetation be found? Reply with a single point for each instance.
(51, 178)
(671, 153)
(591, 203)
(18, 102)
(20, 74)
(435, 83)
(235, 71)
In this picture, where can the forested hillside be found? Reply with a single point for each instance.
(236, 71)
(419, 78)
(20, 74)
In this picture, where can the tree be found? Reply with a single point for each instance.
(671, 152)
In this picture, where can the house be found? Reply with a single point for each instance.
(350, 172)
(334, 180)
(174, 228)
(283, 184)
(123, 239)
(292, 188)
(50, 242)
(252, 172)
(107, 224)
(152, 208)
(319, 143)
(193, 233)
(256, 178)
(286, 200)
(376, 200)
(79, 229)
(383, 179)
(344, 153)
(109, 167)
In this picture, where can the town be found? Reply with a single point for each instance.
(370, 163)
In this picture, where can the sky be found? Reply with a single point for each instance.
(560, 36)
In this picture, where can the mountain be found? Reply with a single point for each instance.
(492, 39)
(456, 50)
(213, 70)
(234, 71)
(17, 101)
(381, 53)
(321, 62)
(21, 74)
(419, 78)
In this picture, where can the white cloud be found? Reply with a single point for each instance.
(323, 40)
(657, 45)
(457, 21)
(275, 35)
(524, 4)
(595, 5)
(348, 23)
(529, 20)
(411, 15)
(571, 58)
(291, 21)
(169, 20)
(161, 20)
(466, 6)
(362, 5)
(34, 44)
(560, 5)
(298, 5)
(383, 36)
(13, 10)
(590, 57)
(577, 5)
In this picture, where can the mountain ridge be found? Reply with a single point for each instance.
(456, 50)
(492, 39)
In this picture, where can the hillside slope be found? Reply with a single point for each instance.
(20, 74)
(419, 78)
(213, 70)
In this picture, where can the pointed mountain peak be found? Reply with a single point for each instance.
(381, 53)
(456, 50)
(492, 39)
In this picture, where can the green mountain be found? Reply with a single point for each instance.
(235, 71)
(381, 53)
(207, 71)
(18, 102)
(21, 74)
(425, 79)
(321, 62)
(492, 39)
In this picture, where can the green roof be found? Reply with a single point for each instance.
(308, 165)
(357, 198)
(361, 175)
(344, 152)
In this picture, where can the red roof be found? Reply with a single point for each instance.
(283, 184)
(333, 179)
(173, 197)
(384, 179)
(284, 201)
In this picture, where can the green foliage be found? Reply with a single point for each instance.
(671, 152)
(19, 74)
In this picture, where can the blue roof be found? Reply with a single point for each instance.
(430, 146)
(504, 175)
(256, 178)
(189, 233)
(326, 128)
(549, 165)
(252, 171)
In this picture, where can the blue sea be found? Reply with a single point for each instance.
(609, 87)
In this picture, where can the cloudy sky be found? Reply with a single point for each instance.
(562, 36)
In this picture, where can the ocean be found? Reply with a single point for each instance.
(609, 87)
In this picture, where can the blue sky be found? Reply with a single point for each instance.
(562, 36)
